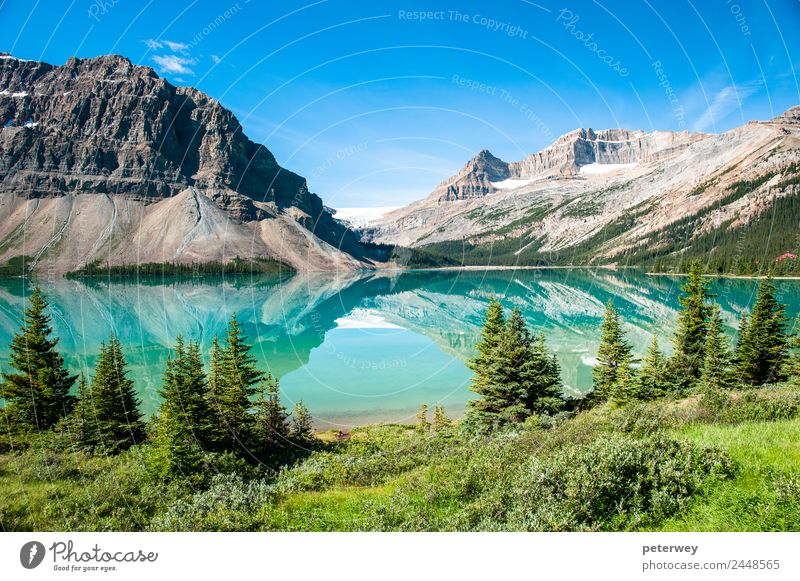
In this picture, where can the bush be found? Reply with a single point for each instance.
(752, 405)
(616, 483)
(229, 504)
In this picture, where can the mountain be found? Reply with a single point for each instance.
(102, 160)
(617, 197)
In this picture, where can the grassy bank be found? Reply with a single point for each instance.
(720, 462)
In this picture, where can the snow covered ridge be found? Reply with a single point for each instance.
(601, 168)
(359, 217)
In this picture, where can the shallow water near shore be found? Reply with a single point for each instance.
(367, 347)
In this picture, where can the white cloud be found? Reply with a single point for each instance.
(153, 44)
(177, 46)
(216, 59)
(726, 101)
(174, 64)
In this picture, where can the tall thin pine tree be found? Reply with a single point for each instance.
(693, 319)
(763, 345)
(37, 394)
(613, 355)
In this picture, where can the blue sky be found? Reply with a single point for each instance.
(377, 102)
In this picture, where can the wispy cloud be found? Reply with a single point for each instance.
(179, 62)
(216, 59)
(172, 63)
(726, 101)
(177, 46)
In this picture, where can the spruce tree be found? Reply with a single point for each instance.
(270, 420)
(37, 394)
(232, 378)
(492, 332)
(302, 425)
(541, 378)
(508, 376)
(653, 380)
(763, 346)
(111, 419)
(693, 318)
(441, 423)
(423, 426)
(791, 368)
(716, 372)
(613, 354)
(627, 385)
(185, 423)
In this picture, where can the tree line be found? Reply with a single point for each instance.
(516, 377)
(228, 406)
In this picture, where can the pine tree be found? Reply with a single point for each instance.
(763, 345)
(37, 395)
(110, 409)
(491, 334)
(716, 372)
(441, 423)
(613, 354)
(270, 420)
(627, 385)
(185, 423)
(690, 337)
(541, 378)
(302, 425)
(505, 397)
(653, 381)
(423, 427)
(791, 368)
(233, 375)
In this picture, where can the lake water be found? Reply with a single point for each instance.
(366, 347)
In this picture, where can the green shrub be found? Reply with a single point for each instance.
(615, 483)
(229, 504)
(752, 405)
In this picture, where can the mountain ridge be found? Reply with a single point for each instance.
(608, 197)
(139, 146)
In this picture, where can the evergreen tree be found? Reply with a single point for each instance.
(270, 419)
(37, 394)
(716, 372)
(233, 375)
(492, 332)
(541, 376)
(504, 396)
(302, 425)
(441, 423)
(791, 368)
(653, 381)
(185, 423)
(763, 345)
(423, 427)
(109, 409)
(690, 337)
(627, 385)
(613, 354)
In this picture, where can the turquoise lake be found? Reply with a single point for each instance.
(359, 348)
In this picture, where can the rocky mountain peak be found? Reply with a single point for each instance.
(106, 127)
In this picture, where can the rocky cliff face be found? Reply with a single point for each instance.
(103, 133)
(474, 180)
(611, 146)
(564, 157)
(596, 196)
